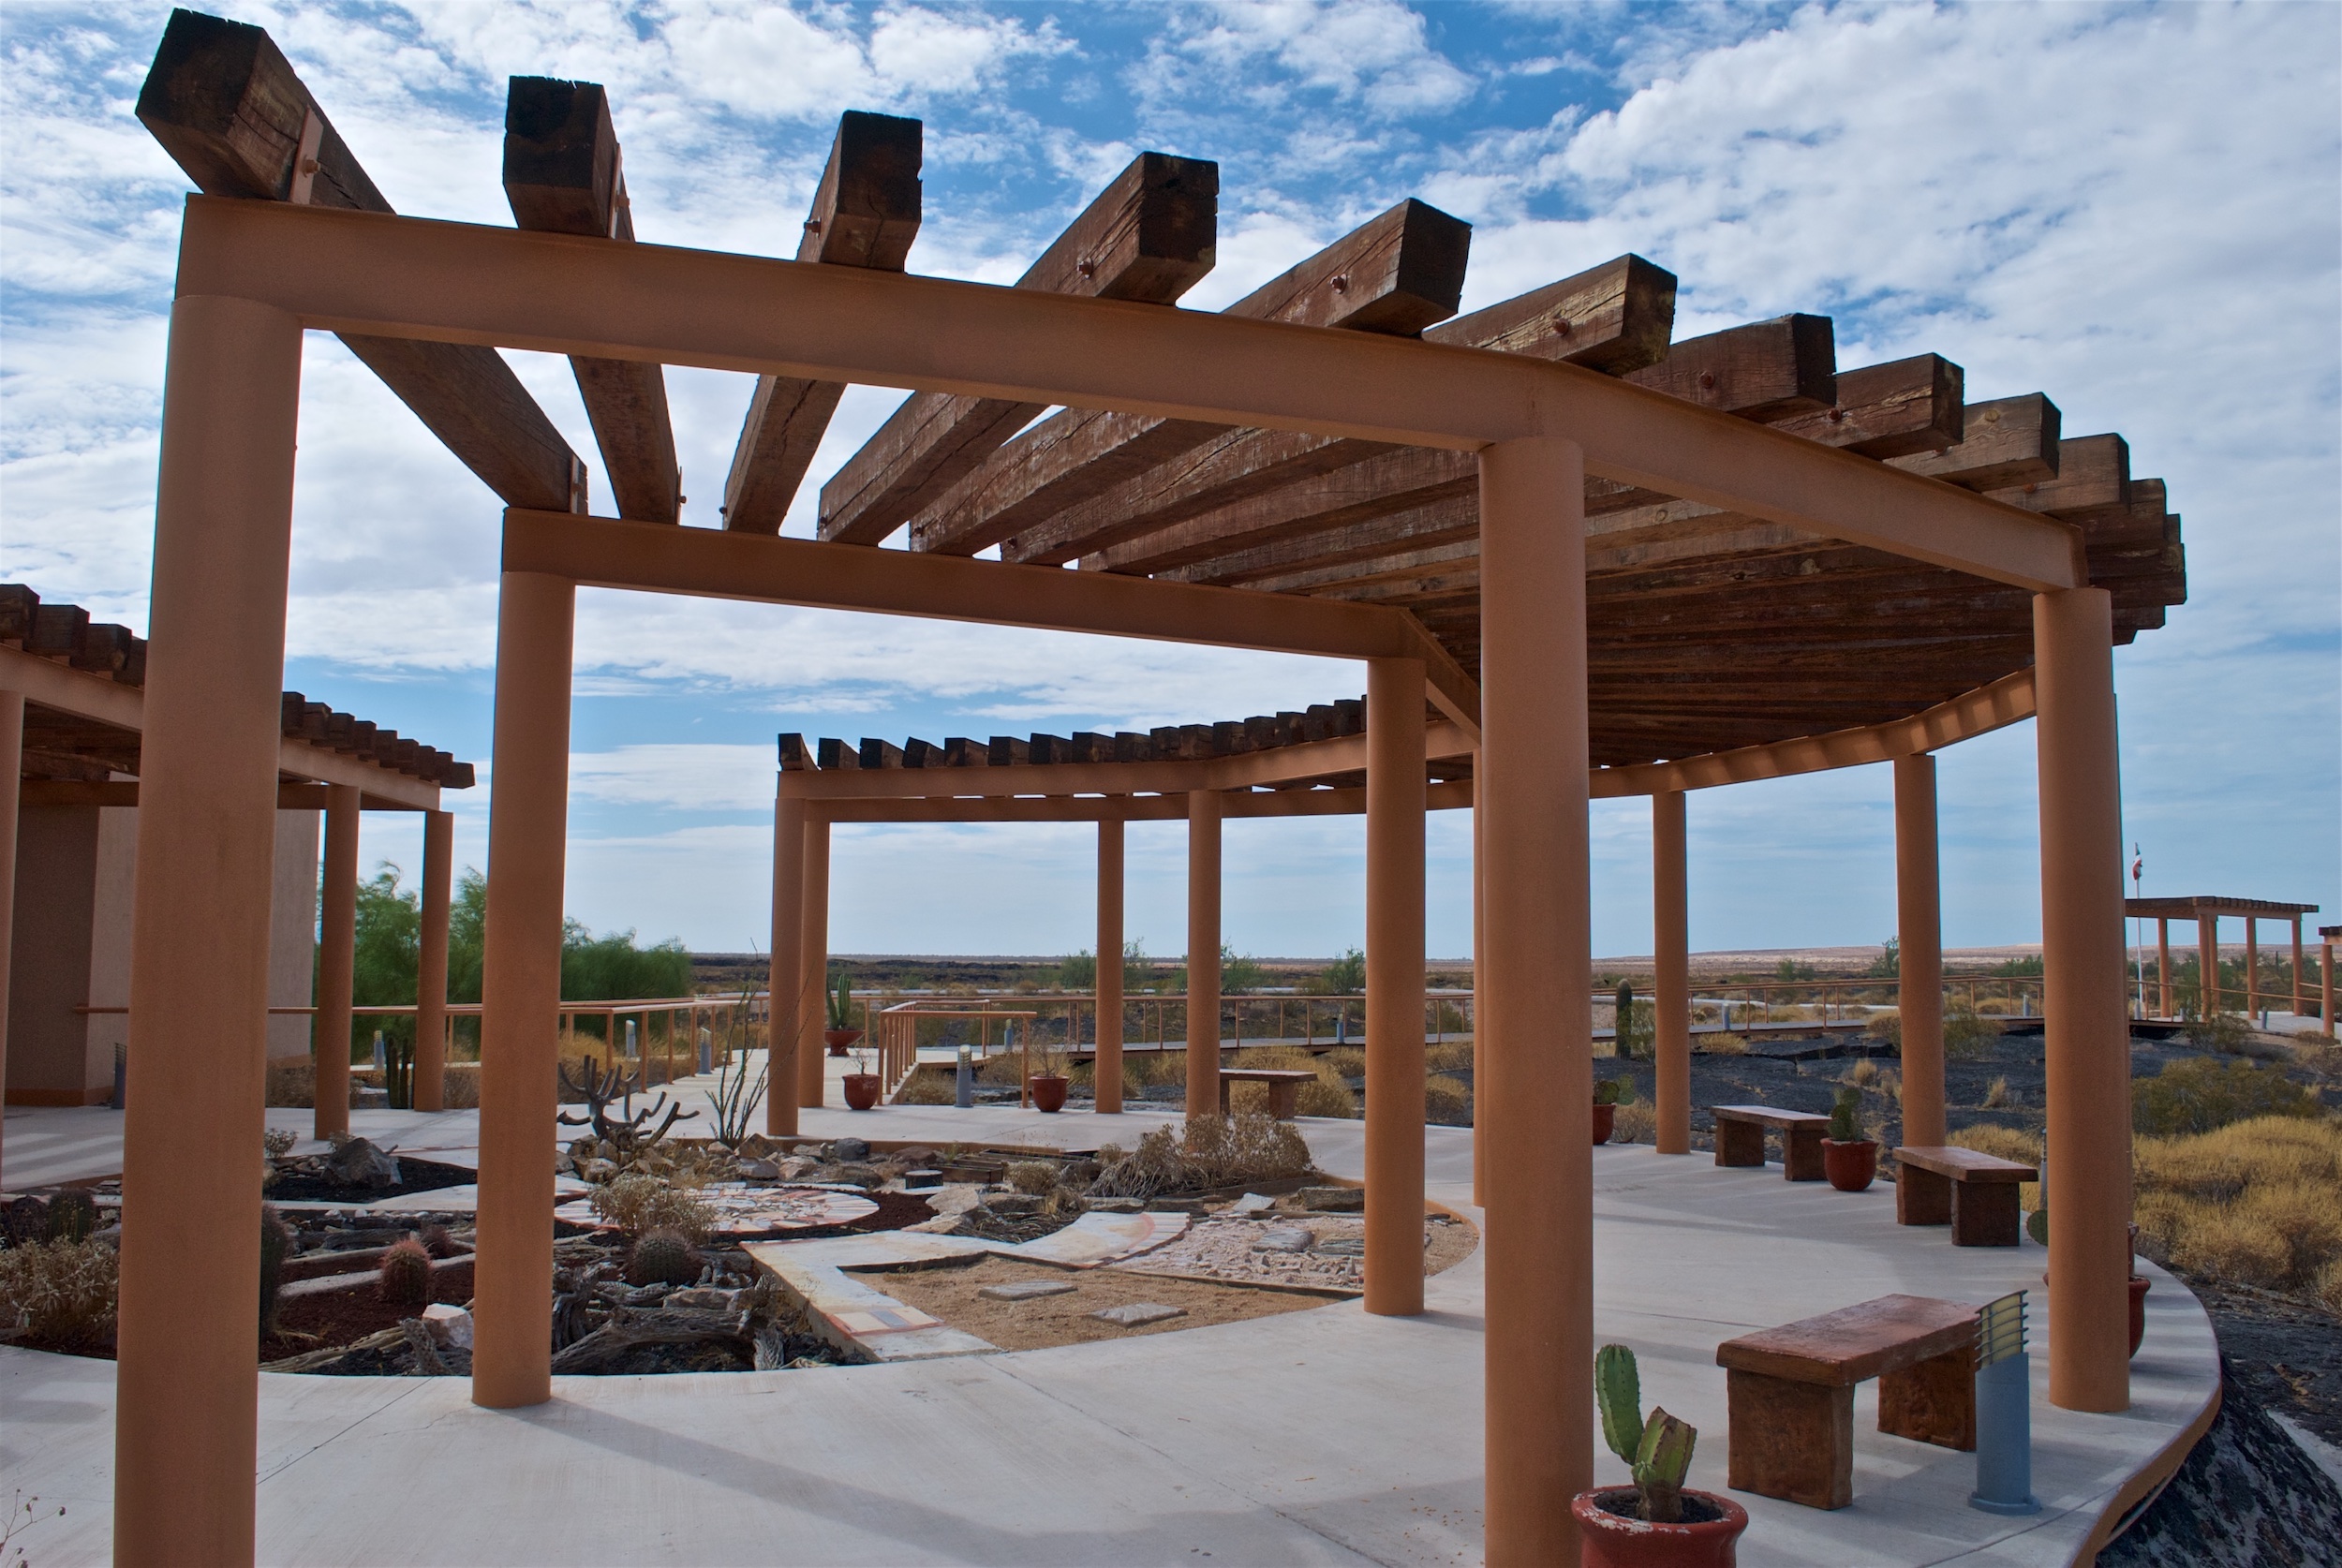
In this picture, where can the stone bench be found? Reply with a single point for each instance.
(1284, 1087)
(1976, 1195)
(1789, 1392)
(1741, 1138)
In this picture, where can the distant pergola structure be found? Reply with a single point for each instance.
(1601, 558)
(2205, 911)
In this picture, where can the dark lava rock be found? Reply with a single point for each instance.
(2246, 1497)
(849, 1151)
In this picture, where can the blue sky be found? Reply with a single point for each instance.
(2133, 208)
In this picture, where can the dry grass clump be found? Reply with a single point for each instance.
(1447, 1102)
(1327, 1098)
(1885, 1026)
(1997, 1095)
(292, 1082)
(1144, 1070)
(2201, 1093)
(1634, 1123)
(60, 1292)
(1451, 1056)
(1216, 1151)
(1725, 1044)
(2256, 1203)
(1863, 1073)
(1346, 1062)
(2008, 1142)
(1037, 1178)
(929, 1084)
(461, 1086)
(637, 1203)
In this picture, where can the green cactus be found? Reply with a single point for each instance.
(664, 1257)
(276, 1241)
(1614, 1091)
(72, 1216)
(406, 1276)
(1846, 1116)
(841, 1004)
(1657, 1450)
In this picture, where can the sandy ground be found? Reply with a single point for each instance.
(951, 1295)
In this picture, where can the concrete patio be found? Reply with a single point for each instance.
(1321, 1436)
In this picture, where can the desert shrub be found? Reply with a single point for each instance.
(1887, 1027)
(2330, 1287)
(277, 1141)
(2258, 1201)
(1997, 1094)
(1725, 1044)
(61, 1291)
(637, 1204)
(1327, 1098)
(1967, 1033)
(1037, 1178)
(291, 1082)
(461, 1086)
(1348, 1061)
(2007, 1142)
(1450, 1056)
(1447, 1102)
(1215, 1152)
(1863, 1073)
(2198, 1094)
(1638, 1123)
(929, 1084)
(1143, 1070)
(2216, 1031)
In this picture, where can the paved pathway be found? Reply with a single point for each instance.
(1312, 1437)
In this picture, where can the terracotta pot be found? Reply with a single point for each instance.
(2138, 1310)
(1048, 1090)
(1850, 1167)
(1621, 1541)
(862, 1091)
(837, 1039)
(1603, 1117)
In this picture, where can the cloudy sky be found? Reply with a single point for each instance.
(2133, 208)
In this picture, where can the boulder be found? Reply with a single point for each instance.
(360, 1163)
(849, 1151)
(599, 1171)
(759, 1170)
(955, 1200)
(448, 1326)
(1284, 1238)
(1250, 1204)
(1332, 1200)
(1138, 1314)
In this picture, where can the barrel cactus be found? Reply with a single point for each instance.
(276, 1241)
(664, 1257)
(72, 1216)
(405, 1276)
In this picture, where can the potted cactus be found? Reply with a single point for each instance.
(1609, 1095)
(1849, 1159)
(840, 1033)
(1655, 1523)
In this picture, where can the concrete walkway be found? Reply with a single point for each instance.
(1320, 1436)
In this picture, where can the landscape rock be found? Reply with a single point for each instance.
(563, 1166)
(1250, 1204)
(849, 1151)
(1332, 1200)
(1284, 1238)
(360, 1163)
(1026, 1290)
(448, 1326)
(1138, 1314)
(955, 1200)
(1014, 1202)
(599, 1171)
(942, 1224)
(1118, 1206)
(759, 1170)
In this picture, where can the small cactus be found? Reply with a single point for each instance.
(29, 1222)
(1659, 1450)
(276, 1241)
(405, 1276)
(664, 1257)
(72, 1216)
(1614, 1091)
(436, 1241)
(1845, 1118)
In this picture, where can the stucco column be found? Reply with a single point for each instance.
(1920, 948)
(12, 774)
(2087, 1034)
(1395, 793)
(1538, 973)
(813, 983)
(1106, 1068)
(337, 938)
(2325, 985)
(785, 987)
(2299, 996)
(1672, 959)
(1203, 952)
(2252, 967)
(439, 875)
(2207, 962)
(2163, 963)
(1479, 997)
(185, 1380)
(521, 988)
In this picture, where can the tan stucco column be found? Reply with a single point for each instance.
(1203, 952)
(813, 982)
(2163, 963)
(1106, 1068)
(1479, 997)
(12, 776)
(2207, 962)
(2325, 985)
(521, 989)
(1672, 959)
(1919, 948)
(438, 877)
(186, 1384)
(337, 938)
(2087, 1034)
(2252, 967)
(2299, 996)
(1395, 790)
(784, 990)
(1538, 973)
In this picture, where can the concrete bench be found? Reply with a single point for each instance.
(1976, 1195)
(1741, 1138)
(1284, 1087)
(1789, 1392)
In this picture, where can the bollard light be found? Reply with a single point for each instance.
(2004, 1411)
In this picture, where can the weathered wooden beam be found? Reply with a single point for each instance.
(1150, 236)
(563, 175)
(1612, 318)
(225, 105)
(2093, 471)
(865, 214)
(1396, 275)
(1890, 411)
(2007, 441)
(1767, 371)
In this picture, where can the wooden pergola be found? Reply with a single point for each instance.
(1604, 561)
(2206, 911)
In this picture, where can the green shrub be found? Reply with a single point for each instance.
(1968, 1034)
(2201, 1093)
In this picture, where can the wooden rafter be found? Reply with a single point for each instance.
(865, 214)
